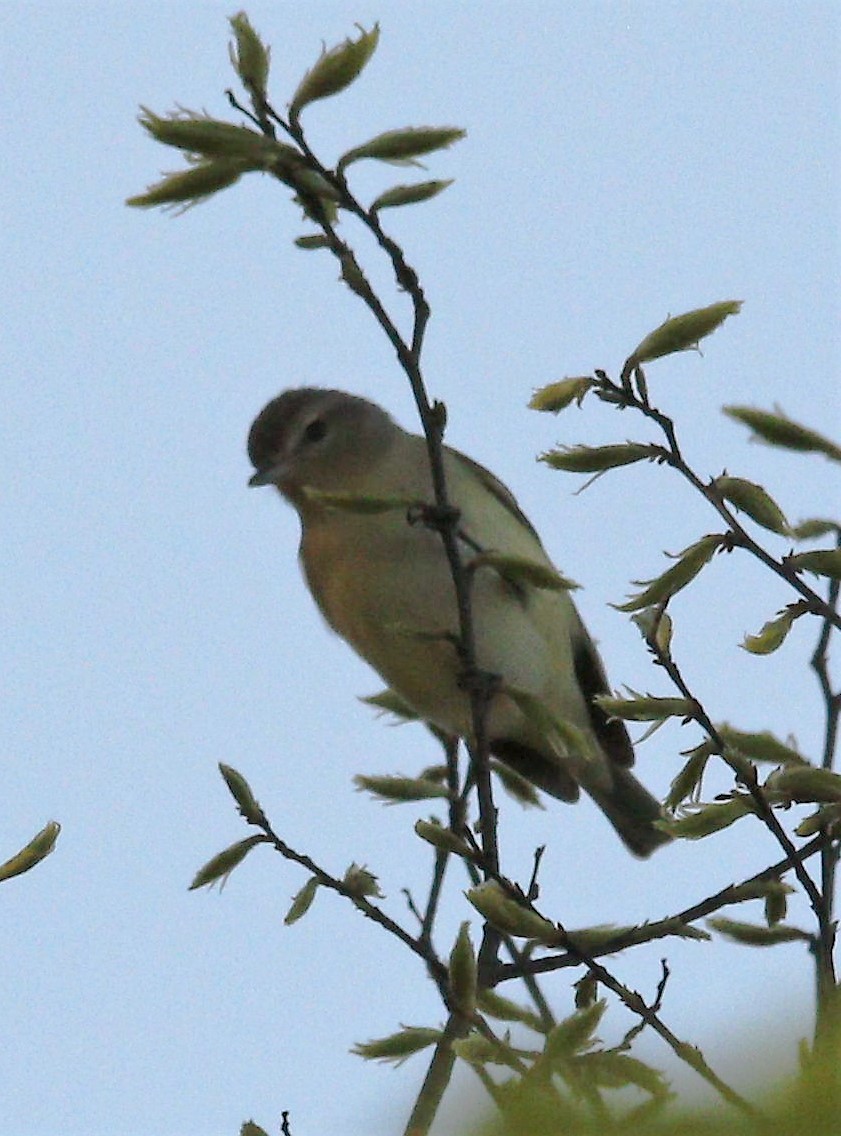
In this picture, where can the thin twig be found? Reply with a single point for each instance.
(437, 1077)
(742, 538)
(690, 1054)
(409, 355)
(826, 1021)
(662, 928)
(422, 949)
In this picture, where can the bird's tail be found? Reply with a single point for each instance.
(632, 810)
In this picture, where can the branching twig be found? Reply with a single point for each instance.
(827, 1024)
(624, 396)
(662, 928)
(418, 946)
(409, 355)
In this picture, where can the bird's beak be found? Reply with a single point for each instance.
(266, 476)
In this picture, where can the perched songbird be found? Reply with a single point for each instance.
(379, 581)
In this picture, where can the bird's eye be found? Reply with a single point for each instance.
(315, 430)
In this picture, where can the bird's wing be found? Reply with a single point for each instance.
(494, 486)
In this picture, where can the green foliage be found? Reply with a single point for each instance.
(221, 152)
(555, 1075)
(38, 848)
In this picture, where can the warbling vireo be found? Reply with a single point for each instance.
(386, 587)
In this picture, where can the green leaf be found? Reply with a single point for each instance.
(38, 848)
(821, 561)
(683, 333)
(211, 138)
(827, 818)
(616, 1070)
(518, 570)
(558, 396)
(516, 785)
(778, 430)
(462, 971)
(390, 702)
(249, 56)
(220, 866)
(689, 564)
(509, 916)
(362, 504)
(597, 459)
(805, 784)
(311, 241)
(402, 145)
(593, 940)
(566, 738)
(252, 1129)
(301, 902)
(753, 500)
(707, 819)
(240, 790)
(480, 1051)
(361, 883)
(397, 790)
(398, 1046)
(646, 707)
(575, 1033)
(336, 69)
(687, 781)
(814, 528)
(434, 833)
(189, 187)
(762, 746)
(504, 1010)
(409, 194)
(752, 935)
(773, 634)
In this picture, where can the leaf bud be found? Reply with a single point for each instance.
(394, 790)
(301, 902)
(752, 935)
(805, 784)
(249, 56)
(773, 634)
(409, 194)
(752, 499)
(597, 459)
(682, 333)
(707, 819)
(462, 972)
(219, 867)
(335, 69)
(361, 883)
(689, 564)
(398, 1046)
(511, 917)
(401, 146)
(778, 430)
(240, 790)
(38, 848)
(558, 396)
(434, 833)
(821, 561)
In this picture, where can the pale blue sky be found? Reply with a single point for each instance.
(624, 161)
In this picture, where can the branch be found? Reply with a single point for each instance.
(418, 946)
(826, 1024)
(663, 928)
(446, 517)
(624, 396)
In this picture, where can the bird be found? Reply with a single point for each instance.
(383, 582)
